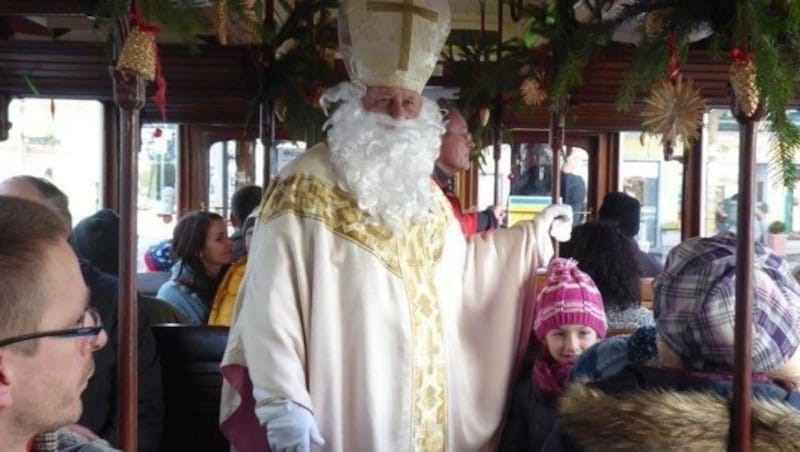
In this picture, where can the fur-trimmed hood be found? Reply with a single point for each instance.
(664, 419)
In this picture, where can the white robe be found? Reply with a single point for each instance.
(394, 343)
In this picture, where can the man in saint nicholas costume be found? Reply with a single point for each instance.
(366, 321)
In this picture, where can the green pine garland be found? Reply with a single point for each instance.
(768, 29)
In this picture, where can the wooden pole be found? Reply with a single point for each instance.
(556, 142)
(5, 124)
(129, 95)
(745, 251)
(498, 115)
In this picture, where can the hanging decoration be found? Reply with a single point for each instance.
(52, 109)
(221, 21)
(742, 76)
(674, 111)
(533, 92)
(236, 21)
(139, 57)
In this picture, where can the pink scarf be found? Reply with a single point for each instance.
(550, 376)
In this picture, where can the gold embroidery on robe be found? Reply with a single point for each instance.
(420, 249)
(311, 197)
(412, 257)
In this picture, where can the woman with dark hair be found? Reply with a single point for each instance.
(202, 252)
(609, 258)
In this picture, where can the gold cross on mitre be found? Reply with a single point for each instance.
(408, 10)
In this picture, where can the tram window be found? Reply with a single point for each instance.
(657, 184)
(283, 152)
(773, 201)
(233, 164)
(223, 176)
(529, 176)
(62, 141)
(158, 185)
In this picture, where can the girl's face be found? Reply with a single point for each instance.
(218, 249)
(566, 342)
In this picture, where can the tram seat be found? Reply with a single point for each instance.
(160, 312)
(647, 293)
(148, 283)
(190, 357)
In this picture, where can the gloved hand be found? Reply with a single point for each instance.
(290, 427)
(554, 221)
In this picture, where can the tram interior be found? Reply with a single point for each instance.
(56, 93)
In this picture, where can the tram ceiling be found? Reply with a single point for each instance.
(58, 51)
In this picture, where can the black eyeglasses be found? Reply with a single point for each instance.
(91, 326)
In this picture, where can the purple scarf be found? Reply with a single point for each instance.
(550, 376)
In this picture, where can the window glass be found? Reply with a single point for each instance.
(529, 186)
(283, 152)
(62, 141)
(658, 185)
(158, 186)
(486, 176)
(774, 203)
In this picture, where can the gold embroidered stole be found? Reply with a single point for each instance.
(412, 257)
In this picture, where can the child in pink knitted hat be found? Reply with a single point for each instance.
(569, 318)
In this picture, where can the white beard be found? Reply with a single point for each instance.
(386, 163)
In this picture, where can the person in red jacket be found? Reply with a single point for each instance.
(454, 157)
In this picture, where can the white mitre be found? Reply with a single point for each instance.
(393, 43)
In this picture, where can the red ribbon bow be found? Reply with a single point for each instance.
(741, 55)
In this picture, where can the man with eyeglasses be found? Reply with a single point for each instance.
(100, 414)
(48, 332)
(454, 157)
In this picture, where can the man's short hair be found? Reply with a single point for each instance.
(244, 201)
(52, 194)
(27, 229)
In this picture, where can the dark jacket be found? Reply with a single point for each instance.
(529, 419)
(652, 409)
(100, 397)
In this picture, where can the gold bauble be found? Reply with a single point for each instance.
(674, 110)
(742, 76)
(138, 55)
(533, 93)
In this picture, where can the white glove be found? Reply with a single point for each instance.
(290, 427)
(554, 221)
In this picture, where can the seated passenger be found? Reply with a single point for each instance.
(610, 260)
(454, 157)
(96, 239)
(682, 402)
(158, 257)
(568, 319)
(48, 332)
(202, 252)
(243, 202)
(624, 211)
(225, 299)
(100, 413)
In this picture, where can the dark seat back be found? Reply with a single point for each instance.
(190, 357)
